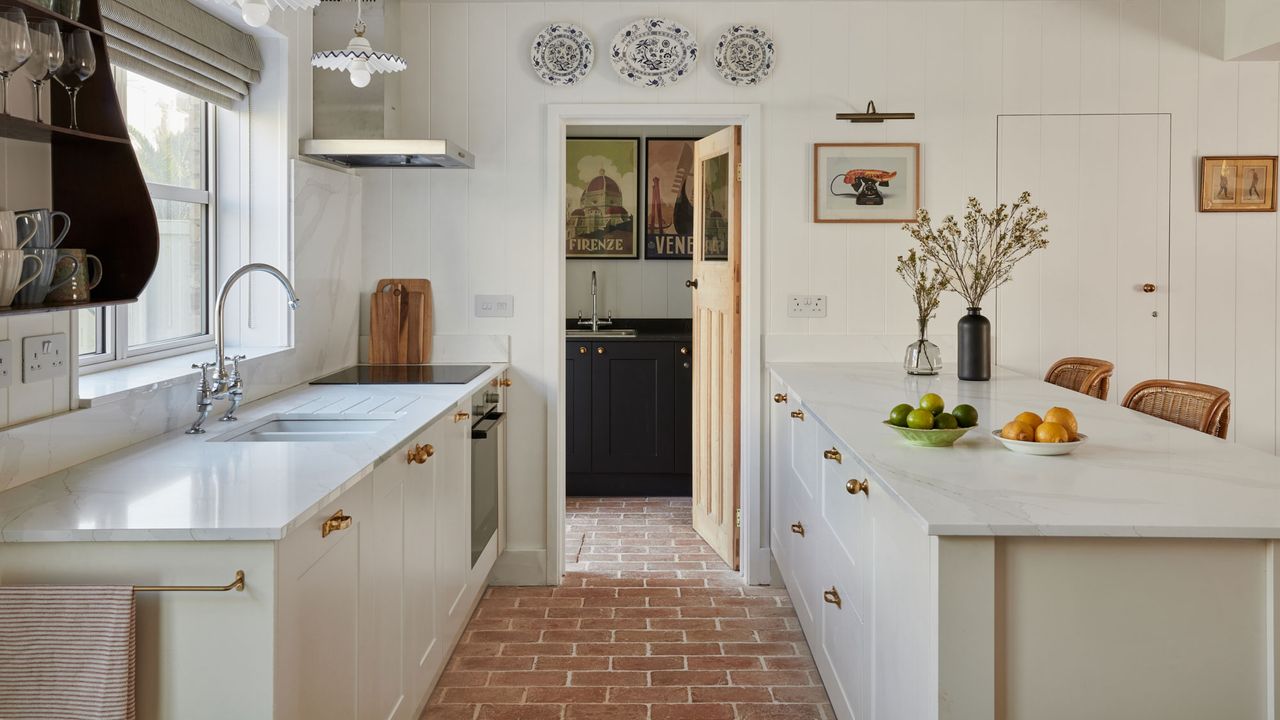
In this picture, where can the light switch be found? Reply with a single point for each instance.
(495, 306)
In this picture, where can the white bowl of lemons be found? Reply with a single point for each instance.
(1057, 433)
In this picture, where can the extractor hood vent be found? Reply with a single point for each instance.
(389, 153)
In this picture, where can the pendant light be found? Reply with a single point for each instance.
(359, 57)
(257, 13)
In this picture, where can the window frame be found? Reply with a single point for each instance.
(112, 329)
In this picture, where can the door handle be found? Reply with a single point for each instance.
(798, 414)
(798, 528)
(691, 283)
(460, 416)
(1148, 288)
(337, 521)
(833, 454)
(831, 596)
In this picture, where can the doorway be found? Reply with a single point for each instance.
(567, 292)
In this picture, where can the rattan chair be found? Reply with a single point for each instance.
(1200, 407)
(1084, 375)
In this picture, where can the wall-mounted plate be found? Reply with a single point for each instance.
(653, 52)
(744, 55)
(562, 54)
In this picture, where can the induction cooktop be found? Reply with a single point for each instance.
(404, 375)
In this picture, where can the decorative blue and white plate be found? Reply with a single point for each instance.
(562, 54)
(654, 52)
(744, 55)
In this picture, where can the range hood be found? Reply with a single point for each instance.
(388, 153)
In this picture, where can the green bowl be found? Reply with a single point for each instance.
(929, 438)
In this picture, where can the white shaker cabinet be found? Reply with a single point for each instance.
(453, 522)
(423, 642)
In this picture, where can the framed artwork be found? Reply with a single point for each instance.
(602, 193)
(1238, 183)
(866, 182)
(668, 207)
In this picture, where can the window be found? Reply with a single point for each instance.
(173, 138)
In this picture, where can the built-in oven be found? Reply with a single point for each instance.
(486, 456)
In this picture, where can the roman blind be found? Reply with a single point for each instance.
(178, 44)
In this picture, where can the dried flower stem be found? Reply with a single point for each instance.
(926, 281)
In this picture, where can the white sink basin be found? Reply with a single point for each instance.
(312, 428)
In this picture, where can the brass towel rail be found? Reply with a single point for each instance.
(237, 585)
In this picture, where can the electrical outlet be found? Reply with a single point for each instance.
(807, 306)
(6, 363)
(495, 306)
(44, 357)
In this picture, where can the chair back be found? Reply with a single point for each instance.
(1200, 407)
(1084, 375)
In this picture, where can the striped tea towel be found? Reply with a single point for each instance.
(67, 652)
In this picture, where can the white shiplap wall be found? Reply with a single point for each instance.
(956, 64)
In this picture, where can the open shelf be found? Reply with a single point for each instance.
(56, 307)
(20, 128)
(36, 10)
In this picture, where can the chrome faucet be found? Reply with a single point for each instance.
(228, 384)
(595, 322)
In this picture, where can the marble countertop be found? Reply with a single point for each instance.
(1137, 476)
(198, 487)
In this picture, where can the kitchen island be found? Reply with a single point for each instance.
(355, 542)
(1135, 578)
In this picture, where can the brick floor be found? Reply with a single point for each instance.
(649, 625)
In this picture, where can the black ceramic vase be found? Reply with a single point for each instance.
(974, 361)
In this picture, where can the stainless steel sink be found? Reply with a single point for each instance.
(312, 428)
(601, 333)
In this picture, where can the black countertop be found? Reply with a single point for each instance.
(653, 330)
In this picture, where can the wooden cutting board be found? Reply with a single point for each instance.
(400, 322)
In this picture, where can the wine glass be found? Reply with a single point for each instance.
(78, 66)
(15, 48)
(46, 57)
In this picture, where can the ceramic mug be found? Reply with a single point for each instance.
(12, 263)
(72, 280)
(39, 223)
(10, 238)
(36, 292)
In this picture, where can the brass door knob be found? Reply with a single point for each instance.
(780, 398)
(337, 521)
(798, 414)
(460, 416)
(582, 349)
(691, 283)
(1148, 288)
(599, 349)
(420, 453)
(684, 351)
(831, 596)
(833, 454)
(798, 528)
(857, 486)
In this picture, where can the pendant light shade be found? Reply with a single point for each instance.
(359, 58)
(257, 13)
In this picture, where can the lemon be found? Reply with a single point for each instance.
(1066, 419)
(946, 421)
(966, 415)
(1052, 432)
(1016, 430)
(920, 420)
(1030, 419)
(932, 402)
(898, 415)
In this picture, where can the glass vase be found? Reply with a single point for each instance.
(923, 357)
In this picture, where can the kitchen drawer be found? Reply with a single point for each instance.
(305, 544)
(808, 555)
(781, 476)
(847, 517)
(804, 454)
(844, 648)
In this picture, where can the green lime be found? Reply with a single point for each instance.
(946, 421)
(932, 402)
(920, 420)
(966, 415)
(898, 415)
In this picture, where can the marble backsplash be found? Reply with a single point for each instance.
(326, 271)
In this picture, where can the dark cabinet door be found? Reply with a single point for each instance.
(684, 407)
(633, 407)
(577, 397)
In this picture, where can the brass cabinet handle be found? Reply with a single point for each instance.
(691, 283)
(833, 454)
(1148, 288)
(684, 350)
(582, 349)
(600, 350)
(797, 414)
(857, 486)
(798, 528)
(831, 596)
(420, 453)
(505, 382)
(460, 416)
(780, 398)
(336, 522)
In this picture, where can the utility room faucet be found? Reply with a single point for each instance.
(228, 384)
(595, 322)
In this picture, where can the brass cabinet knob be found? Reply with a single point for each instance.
(833, 454)
(780, 398)
(798, 528)
(337, 521)
(582, 349)
(797, 414)
(420, 453)
(460, 416)
(684, 350)
(857, 486)
(687, 365)
(599, 349)
(1148, 288)
(831, 596)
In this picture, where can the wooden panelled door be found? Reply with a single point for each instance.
(717, 339)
